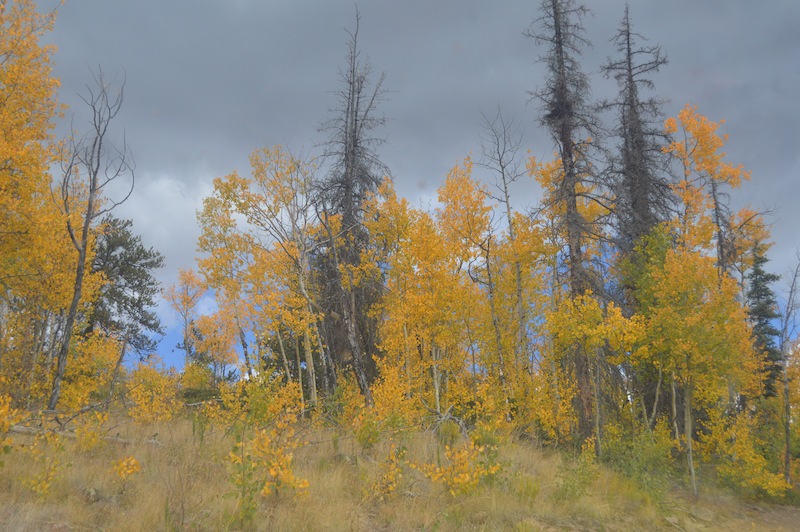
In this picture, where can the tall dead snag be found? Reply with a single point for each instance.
(641, 186)
(570, 122)
(356, 171)
(639, 177)
(89, 165)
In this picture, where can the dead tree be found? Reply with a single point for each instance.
(570, 121)
(639, 169)
(638, 174)
(89, 165)
(355, 173)
(500, 148)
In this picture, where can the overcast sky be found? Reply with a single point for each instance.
(208, 81)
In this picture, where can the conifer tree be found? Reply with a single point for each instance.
(762, 311)
(124, 305)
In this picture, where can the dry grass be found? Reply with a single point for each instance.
(184, 485)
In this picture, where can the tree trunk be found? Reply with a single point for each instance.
(436, 376)
(328, 368)
(355, 346)
(63, 352)
(675, 410)
(787, 432)
(115, 375)
(652, 419)
(496, 325)
(299, 374)
(243, 341)
(283, 357)
(687, 428)
(597, 419)
(312, 379)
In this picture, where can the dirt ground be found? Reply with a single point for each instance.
(728, 513)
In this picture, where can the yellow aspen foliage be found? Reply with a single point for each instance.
(28, 93)
(429, 296)
(486, 411)
(196, 377)
(215, 338)
(184, 297)
(46, 450)
(464, 215)
(391, 474)
(749, 229)
(551, 408)
(421, 310)
(264, 463)
(394, 407)
(186, 294)
(693, 226)
(699, 148)
(153, 392)
(258, 401)
(731, 443)
(8, 418)
(467, 466)
(550, 176)
(89, 431)
(350, 402)
(90, 370)
(271, 450)
(126, 467)
(578, 321)
(697, 321)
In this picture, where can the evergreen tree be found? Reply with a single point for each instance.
(126, 300)
(762, 310)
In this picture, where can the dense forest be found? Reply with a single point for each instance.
(627, 321)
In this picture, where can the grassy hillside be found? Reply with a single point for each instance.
(184, 476)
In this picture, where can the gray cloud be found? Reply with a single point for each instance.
(208, 81)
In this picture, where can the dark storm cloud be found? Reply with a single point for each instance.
(209, 81)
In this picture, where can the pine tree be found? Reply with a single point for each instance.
(762, 311)
(125, 303)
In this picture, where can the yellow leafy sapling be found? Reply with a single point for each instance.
(88, 432)
(8, 418)
(45, 451)
(125, 468)
(154, 394)
(466, 467)
(391, 475)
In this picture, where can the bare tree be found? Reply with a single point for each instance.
(788, 339)
(89, 165)
(639, 178)
(641, 185)
(356, 171)
(500, 148)
(570, 121)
